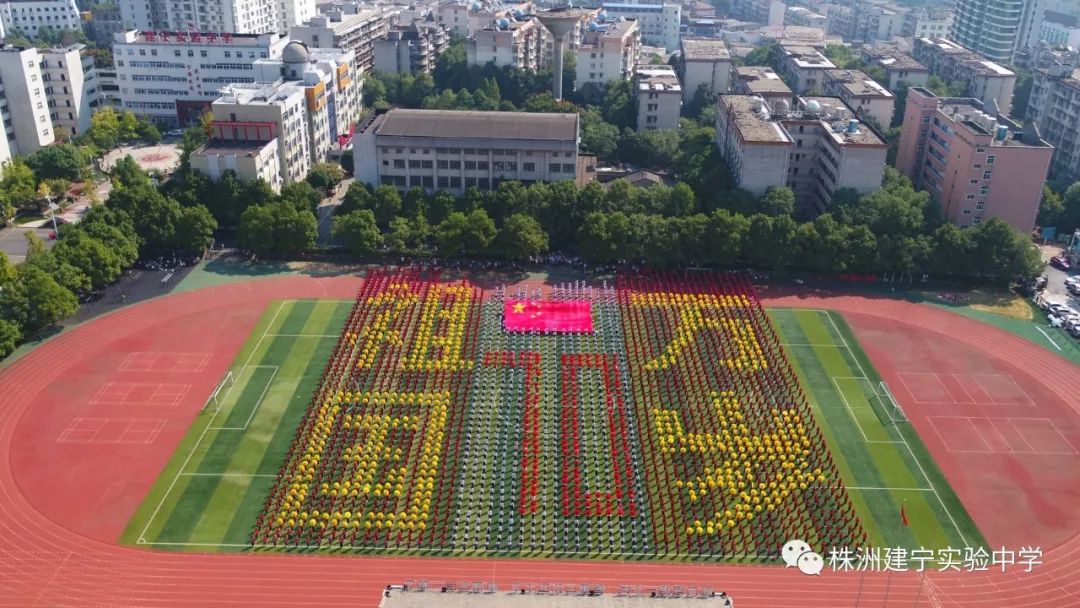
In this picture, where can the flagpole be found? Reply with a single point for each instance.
(888, 581)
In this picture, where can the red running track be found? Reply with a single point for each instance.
(44, 561)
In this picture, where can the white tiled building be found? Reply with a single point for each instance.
(805, 68)
(660, 23)
(659, 97)
(899, 66)
(27, 124)
(815, 148)
(27, 16)
(705, 61)
(452, 151)
(173, 77)
(411, 49)
(608, 52)
(521, 44)
(346, 27)
(862, 94)
(255, 115)
(71, 88)
(984, 80)
(927, 23)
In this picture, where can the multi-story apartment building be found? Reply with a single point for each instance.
(71, 88)
(704, 62)
(233, 16)
(976, 164)
(1058, 29)
(144, 15)
(412, 48)
(804, 68)
(815, 148)
(765, 12)
(1054, 107)
(862, 94)
(464, 19)
(254, 116)
(991, 28)
(983, 79)
(659, 97)
(28, 16)
(900, 68)
(174, 76)
(332, 88)
(24, 90)
(608, 51)
(511, 42)
(927, 23)
(875, 20)
(346, 27)
(800, 15)
(250, 160)
(757, 81)
(660, 23)
(452, 150)
(295, 12)
(105, 22)
(841, 20)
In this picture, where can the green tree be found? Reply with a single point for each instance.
(1051, 208)
(357, 230)
(104, 129)
(387, 204)
(778, 200)
(90, 256)
(194, 230)
(18, 185)
(356, 197)
(10, 336)
(66, 161)
(279, 229)
(597, 135)
(325, 175)
(465, 234)
(46, 301)
(727, 234)
(302, 195)
(521, 237)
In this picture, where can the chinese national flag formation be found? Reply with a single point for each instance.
(573, 317)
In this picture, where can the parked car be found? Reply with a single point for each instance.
(1059, 310)
(1059, 262)
(1041, 283)
(175, 133)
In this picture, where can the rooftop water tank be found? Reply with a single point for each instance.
(853, 126)
(813, 106)
(1002, 133)
(593, 26)
(504, 23)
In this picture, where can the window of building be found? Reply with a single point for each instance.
(428, 181)
(990, 159)
(399, 163)
(444, 181)
(455, 164)
(980, 206)
(427, 164)
(974, 181)
(987, 175)
(414, 164)
(566, 168)
(443, 164)
(978, 166)
(455, 182)
(970, 197)
(967, 211)
(977, 221)
(554, 168)
(470, 165)
(482, 165)
(528, 167)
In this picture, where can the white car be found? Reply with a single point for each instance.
(175, 133)
(1059, 310)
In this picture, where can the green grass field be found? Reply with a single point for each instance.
(881, 458)
(209, 494)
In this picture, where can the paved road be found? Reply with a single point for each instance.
(13, 241)
(326, 212)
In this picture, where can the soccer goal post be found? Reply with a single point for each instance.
(892, 406)
(215, 396)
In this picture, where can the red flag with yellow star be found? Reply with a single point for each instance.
(556, 316)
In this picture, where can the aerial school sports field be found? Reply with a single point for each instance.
(658, 418)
